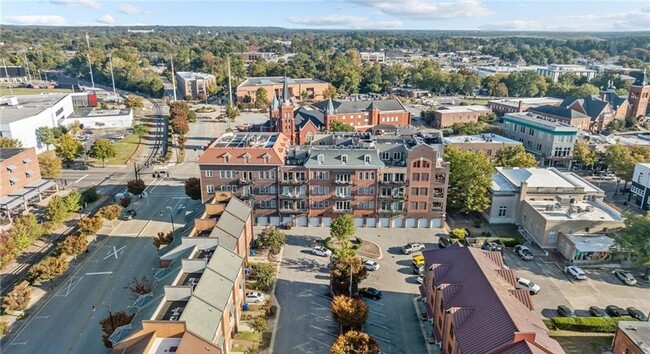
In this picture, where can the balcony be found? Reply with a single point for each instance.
(392, 197)
(294, 182)
(397, 183)
(246, 182)
(390, 213)
(293, 196)
(339, 211)
(246, 196)
(340, 182)
(292, 211)
(342, 196)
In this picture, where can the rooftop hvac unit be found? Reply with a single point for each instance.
(550, 207)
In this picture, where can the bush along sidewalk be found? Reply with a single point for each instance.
(589, 324)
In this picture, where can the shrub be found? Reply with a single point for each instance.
(549, 323)
(4, 328)
(18, 298)
(90, 195)
(589, 324)
(259, 324)
(358, 242)
(458, 233)
(511, 241)
(125, 201)
(328, 243)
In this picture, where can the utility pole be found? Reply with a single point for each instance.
(29, 75)
(90, 66)
(229, 85)
(110, 62)
(4, 63)
(171, 57)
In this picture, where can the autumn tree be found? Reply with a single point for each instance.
(56, 210)
(73, 201)
(193, 188)
(90, 225)
(265, 274)
(7, 143)
(514, 156)
(114, 321)
(47, 269)
(163, 239)
(25, 230)
(634, 237)
(139, 287)
(67, 148)
(50, 165)
(18, 298)
(75, 128)
(134, 102)
(585, 155)
(350, 313)
(354, 342)
(125, 201)
(470, 176)
(340, 275)
(272, 239)
(330, 92)
(135, 186)
(180, 126)
(102, 149)
(110, 212)
(73, 245)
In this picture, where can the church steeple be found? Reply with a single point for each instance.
(330, 107)
(285, 89)
(275, 104)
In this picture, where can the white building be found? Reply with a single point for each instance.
(555, 70)
(641, 184)
(21, 116)
(103, 118)
(378, 57)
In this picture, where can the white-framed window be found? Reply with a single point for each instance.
(366, 158)
(552, 237)
(503, 211)
(268, 174)
(266, 189)
(210, 188)
(209, 173)
(343, 205)
(320, 158)
(228, 188)
(226, 174)
(266, 158)
(343, 191)
(366, 204)
(226, 158)
(344, 158)
(247, 158)
(268, 204)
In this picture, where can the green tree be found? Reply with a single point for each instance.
(514, 156)
(272, 239)
(134, 102)
(622, 159)
(232, 112)
(265, 274)
(6, 143)
(351, 314)
(73, 245)
(261, 98)
(135, 186)
(330, 92)
(102, 149)
(25, 230)
(56, 210)
(337, 126)
(73, 201)
(18, 298)
(193, 188)
(140, 130)
(68, 149)
(46, 136)
(47, 269)
(634, 237)
(354, 342)
(468, 128)
(259, 324)
(470, 176)
(585, 155)
(90, 195)
(191, 117)
(340, 275)
(90, 225)
(342, 228)
(50, 165)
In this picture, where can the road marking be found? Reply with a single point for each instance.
(319, 306)
(377, 313)
(47, 316)
(114, 252)
(382, 339)
(324, 331)
(377, 324)
(71, 285)
(79, 180)
(317, 341)
(21, 343)
(324, 318)
(99, 273)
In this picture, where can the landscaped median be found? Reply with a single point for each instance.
(586, 324)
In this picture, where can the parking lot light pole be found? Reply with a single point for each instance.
(110, 313)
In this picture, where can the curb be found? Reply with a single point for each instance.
(430, 347)
(275, 299)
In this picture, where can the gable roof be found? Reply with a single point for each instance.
(360, 106)
(303, 114)
(333, 158)
(485, 298)
(558, 111)
(238, 209)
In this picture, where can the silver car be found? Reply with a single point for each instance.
(626, 277)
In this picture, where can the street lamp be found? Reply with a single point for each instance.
(110, 314)
(171, 216)
(618, 180)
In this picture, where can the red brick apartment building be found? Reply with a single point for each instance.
(196, 303)
(385, 180)
(446, 116)
(475, 307)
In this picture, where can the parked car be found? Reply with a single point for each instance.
(636, 313)
(443, 242)
(117, 137)
(130, 214)
(370, 265)
(597, 312)
(81, 167)
(575, 272)
(523, 283)
(420, 279)
(412, 247)
(418, 269)
(254, 297)
(565, 311)
(321, 251)
(523, 252)
(615, 311)
(418, 260)
(626, 277)
(607, 177)
(371, 293)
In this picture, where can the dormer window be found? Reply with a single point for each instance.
(246, 157)
(26, 161)
(13, 181)
(226, 158)
(344, 158)
(366, 158)
(28, 174)
(320, 158)
(266, 158)
(11, 168)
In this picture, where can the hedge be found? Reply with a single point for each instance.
(589, 324)
(511, 241)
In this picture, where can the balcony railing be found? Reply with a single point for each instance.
(246, 196)
(399, 183)
(293, 196)
(342, 182)
(342, 210)
(294, 182)
(293, 211)
(343, 196)
(246, 181)
(396, 197)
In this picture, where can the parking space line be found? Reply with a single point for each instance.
(319, 306)
(382, 339)
(324, 331)
(319, 342)
(325, 318)
(377, 324)
(377, 313)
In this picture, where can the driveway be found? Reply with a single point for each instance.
(305, 324)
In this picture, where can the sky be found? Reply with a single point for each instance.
(512, 15)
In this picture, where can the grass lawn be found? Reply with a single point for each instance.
(124, 149)
(250, 336)
(266, 340)
(19, 91)
(504, 230)
(582, 343)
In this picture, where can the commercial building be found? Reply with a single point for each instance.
(544, 202)
(446, 116)
(550, 141)
(381, 180)
(515, 105)
(21, 181)
(631, 337)
(554, 71)
(641, 185)
(103, 118)
(196, 302)
(585, 248)
(12, 74)
(488, 144)
(253, 56)
(311, 89)
(23, 115)
(192, 84)
(469, 290)
(563, 115)
(373, 57)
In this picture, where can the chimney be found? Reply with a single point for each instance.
(520, 106)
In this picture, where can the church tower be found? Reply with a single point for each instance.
(286, 121)
(639, 96)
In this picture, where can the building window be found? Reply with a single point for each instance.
(416, 164)
(414, 191)
(415, 177)
(503, 210)
(226, 158)
(210, 188)
(266, 158)
(209, 173)
(640, 176)
(424, 191)
(552, 237)
(424, 177)
(366, 158)
(423, 205)
(247, 158)
(413, 205)
(344, 158)
(320, 158)
(227, 174)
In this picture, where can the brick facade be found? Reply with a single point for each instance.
(19, 169)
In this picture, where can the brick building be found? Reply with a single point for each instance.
(488, 144)
(312, 89)
(639, 96)
(563, 115)
(446, 116)
(387, 180)
(515, 105)
(192, 84)
(631, 337)
(468, 290)
(196, 303)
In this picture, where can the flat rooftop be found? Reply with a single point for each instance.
(531, 101)
(247, 140)
(189, 75)
(277, 80)
(591, 243)
(592, 211)
(10, 152)
(638, 332)
(462, 109)
(539, 121)
(94, 113)
(27, 106)
(480, 138)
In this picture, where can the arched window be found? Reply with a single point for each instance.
(344, 158)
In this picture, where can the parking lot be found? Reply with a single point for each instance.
(602, 287)
(306, 324)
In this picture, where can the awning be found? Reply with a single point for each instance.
(12, 204)
(423, 291)
(42, 184)
(11, 167)
(25, 193)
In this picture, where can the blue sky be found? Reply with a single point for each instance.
(517, 15)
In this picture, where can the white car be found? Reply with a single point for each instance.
(420, 279)
(523, 283)
(254, 297)
(412, 247)
(370, 265)
(523, 252)
(321, 251)
(575, 272)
